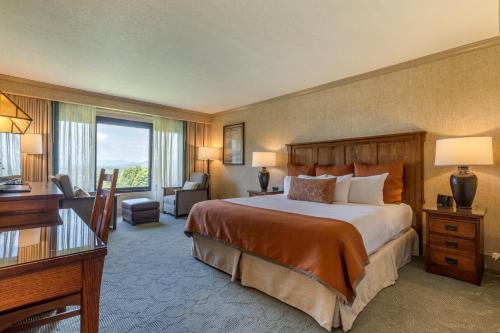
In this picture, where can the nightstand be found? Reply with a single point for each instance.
(256, 193)
(455, 242)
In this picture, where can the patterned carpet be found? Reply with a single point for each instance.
(152, 284)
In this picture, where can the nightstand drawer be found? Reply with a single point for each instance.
(464, 246)
(452, 259)
(452, 227)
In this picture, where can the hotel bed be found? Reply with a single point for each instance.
(389, 233)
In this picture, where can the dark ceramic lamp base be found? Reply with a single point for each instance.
(264, 179)
(463, 186)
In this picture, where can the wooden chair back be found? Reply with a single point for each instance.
(103, 205)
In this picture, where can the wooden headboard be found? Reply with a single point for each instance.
(408, 147)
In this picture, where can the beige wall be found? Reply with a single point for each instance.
(452, 97)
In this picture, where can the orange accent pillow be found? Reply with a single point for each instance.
(393, 186)
(297, 170)
(335, 170)
(317, 190)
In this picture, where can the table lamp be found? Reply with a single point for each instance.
(31, 144)
(208, 154)
(263, 160)
(463, 152)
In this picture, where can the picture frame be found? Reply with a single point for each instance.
(233, 149)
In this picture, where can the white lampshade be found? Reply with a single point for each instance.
(31, 144)
(208, 153)
(464, 151)
(263, 159)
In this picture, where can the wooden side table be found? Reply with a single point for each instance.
(252, 193)
(455, 242)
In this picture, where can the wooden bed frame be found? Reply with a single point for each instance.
(408, 147)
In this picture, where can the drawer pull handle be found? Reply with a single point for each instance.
(451, 227)
(453, 245)
(451, 261)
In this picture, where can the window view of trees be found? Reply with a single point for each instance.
(135, 176)
(125, 145)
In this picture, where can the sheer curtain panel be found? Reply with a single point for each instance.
(76, 146)
(168, 154)
(10, 154)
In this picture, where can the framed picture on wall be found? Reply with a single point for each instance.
(233, 150)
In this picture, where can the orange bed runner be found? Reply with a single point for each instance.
(327, 250)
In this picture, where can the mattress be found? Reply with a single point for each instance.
(376, 224)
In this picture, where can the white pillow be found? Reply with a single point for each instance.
(368, 190)
(286, 185)
(190, 186)
(341, 188)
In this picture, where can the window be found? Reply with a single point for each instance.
(125, 145)
(10, 155)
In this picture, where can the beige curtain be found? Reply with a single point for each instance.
(37, 168)
(197, 135)
(168, 148)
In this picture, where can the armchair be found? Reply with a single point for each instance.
(81, 205)
(178, 201)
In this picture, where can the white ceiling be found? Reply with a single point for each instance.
(212, 55)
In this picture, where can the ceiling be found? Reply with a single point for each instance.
(213, 55)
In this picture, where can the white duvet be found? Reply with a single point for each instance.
(376, 224)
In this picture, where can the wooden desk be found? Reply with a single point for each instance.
(50, 267)
(39, 206)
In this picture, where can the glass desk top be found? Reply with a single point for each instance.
(25, 245)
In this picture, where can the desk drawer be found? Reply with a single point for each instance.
(27, 206)
(452, 228)
(40, 285)
(28, 212)
(462, 246)
(453, 260)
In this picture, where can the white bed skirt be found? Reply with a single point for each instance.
(304, 293)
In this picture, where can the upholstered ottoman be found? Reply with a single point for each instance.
(140, 210)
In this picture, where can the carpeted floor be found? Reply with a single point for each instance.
(152, 284)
